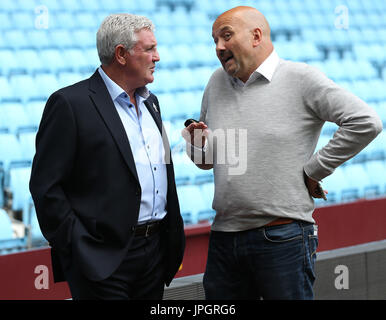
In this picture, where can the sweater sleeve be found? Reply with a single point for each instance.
(358, 123)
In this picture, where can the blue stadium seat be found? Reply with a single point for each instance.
(167, 57)
(204, 55)
(183, 168)
(77, 59)
(62, 38)
(203, 35)
(27, 143)
(376, 171)
(200, 19)
(163, 35)
(38, 39)
(5, 21)
(6, 231)
(183, 54)
(47, 84)
(24, 19)
(68, 78)
(85, 20)
(189, 104)
(35, 237)
(191, 202)
(72, 6)
(15, 38)
(19, 186)
(1, 184)
(54, 60)
(358, 179)
(14, 117)
(35, 63)
(10, 149)
(12, 63)
(34, 109)
(24, 86)
(168, 105)
(85, 38)
(90, 5)
(338, 188)
(6, 92)
(374, 52)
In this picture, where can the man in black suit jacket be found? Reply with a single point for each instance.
(114, 233)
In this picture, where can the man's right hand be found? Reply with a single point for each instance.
(195, 133)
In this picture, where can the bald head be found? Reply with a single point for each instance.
(248, 16)
(243, 42)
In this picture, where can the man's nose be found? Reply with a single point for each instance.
(220, 45)
(156, 56)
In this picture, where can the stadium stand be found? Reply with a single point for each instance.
(45, 45)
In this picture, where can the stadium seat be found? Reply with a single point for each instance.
(12, 64)
(62, 38)
(5, 20)
(15, 38)
(34, 237)
(47, 84)
(13, 117)
(26, 87)
(10, 150)
(85, 39)
(191, 202)
(376, 171)
(19, 186)
(54, 60)
(27, 143)
(6, 92)
(6, 231)
(34, 109)
(35, 63)
(67, 78)
(358, 179)
(1, 184)
(338, 188)
(24, 19)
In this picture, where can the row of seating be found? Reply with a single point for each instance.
(24, 87)
(78, 5)
(206, 6)
(348, 183)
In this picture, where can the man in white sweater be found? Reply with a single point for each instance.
(263, 238)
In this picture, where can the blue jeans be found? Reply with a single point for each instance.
(269, 262)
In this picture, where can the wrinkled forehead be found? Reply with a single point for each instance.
(226, 22)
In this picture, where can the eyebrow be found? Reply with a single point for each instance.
(225, 28)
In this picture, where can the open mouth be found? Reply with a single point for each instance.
(225, 60)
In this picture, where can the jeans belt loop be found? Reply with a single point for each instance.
(147, 230)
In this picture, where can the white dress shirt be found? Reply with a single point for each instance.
(147, 148)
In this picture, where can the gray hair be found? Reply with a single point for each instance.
(119, 29)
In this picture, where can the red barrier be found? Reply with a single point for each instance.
(27, 275)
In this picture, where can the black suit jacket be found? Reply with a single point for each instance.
(85, 186)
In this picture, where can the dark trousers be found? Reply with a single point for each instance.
(270, 263)
(139, 277)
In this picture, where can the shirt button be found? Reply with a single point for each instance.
(155, 169)
(156, 192)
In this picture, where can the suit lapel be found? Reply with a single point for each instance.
(104, 104)
(154, 111)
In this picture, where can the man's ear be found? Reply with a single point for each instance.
(257, 36)
(121, 54)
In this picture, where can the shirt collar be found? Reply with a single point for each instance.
(266, 69)
(115, 90)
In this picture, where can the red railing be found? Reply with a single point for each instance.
(27, 275)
